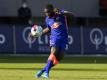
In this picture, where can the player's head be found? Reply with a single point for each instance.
(49, 10)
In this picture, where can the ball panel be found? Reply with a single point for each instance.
(36, 30)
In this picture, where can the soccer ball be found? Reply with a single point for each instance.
(36, 30)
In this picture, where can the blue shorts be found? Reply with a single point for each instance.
(59, 44)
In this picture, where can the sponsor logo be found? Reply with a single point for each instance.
(56, 25)
(2, 39)
(96, 37)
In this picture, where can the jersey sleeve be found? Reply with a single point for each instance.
(47, 25)
(62, 10)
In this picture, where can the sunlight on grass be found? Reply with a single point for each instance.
(27, 71)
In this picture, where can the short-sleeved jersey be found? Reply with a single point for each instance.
(58, 28)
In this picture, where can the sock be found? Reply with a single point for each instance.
(49, 65)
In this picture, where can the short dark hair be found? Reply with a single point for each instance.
(49, 7)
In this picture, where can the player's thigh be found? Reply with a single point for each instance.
(59, 54)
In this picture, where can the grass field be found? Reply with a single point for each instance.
(24, 68)
(26, 71)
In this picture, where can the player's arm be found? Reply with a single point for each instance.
(33, 36)
(59, 11)
(67, 12)
(46, 30)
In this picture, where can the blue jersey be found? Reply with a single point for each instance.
(58, 28)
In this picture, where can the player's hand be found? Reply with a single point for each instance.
(31, 37)
(38, 34)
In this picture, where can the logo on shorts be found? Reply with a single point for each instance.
(51, 43)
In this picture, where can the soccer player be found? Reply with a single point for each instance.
(56, 25)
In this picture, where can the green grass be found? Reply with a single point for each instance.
(70, 68)
(42, 59)
(26, 71)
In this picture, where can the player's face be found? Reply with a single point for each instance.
(48, 13)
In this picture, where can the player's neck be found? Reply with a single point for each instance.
(52, 16)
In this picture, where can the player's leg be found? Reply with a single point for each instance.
(49, 64)
(54, 58)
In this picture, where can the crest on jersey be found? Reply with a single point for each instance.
(56, 25)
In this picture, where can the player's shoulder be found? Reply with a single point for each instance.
(46, 19)
(60, 16)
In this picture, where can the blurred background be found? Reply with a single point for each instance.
(87, 27)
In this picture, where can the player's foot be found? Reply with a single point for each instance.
(45, 75)
(38, 75)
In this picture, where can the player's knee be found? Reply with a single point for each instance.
(53, 58)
